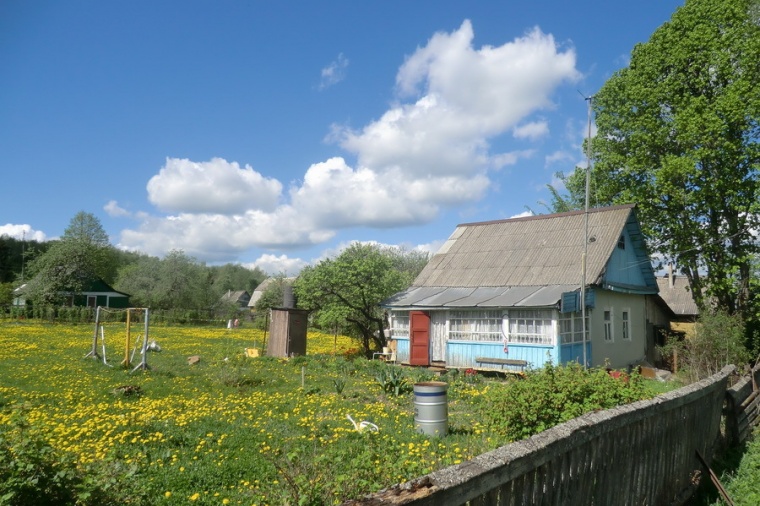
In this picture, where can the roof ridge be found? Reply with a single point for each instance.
(547, 216)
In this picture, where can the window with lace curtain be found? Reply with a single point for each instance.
(531, 326)
(399, 324)
(475, 325)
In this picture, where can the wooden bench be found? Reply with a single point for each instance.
(515, 366)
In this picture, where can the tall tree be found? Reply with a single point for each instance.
(350, 287)
(82, 255)
(677, 133)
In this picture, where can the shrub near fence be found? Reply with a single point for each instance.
(640, 453)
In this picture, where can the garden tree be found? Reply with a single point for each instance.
(407, 262)
(180, 282)
(140, 279)
(677, 133)
(176, 281)
(235, 277)
(71, 263)
(349, 288)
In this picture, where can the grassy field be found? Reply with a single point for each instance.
(228, 430)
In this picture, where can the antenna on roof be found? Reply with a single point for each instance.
(585, 230)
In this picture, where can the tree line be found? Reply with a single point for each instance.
(341, 293)
(54, 269)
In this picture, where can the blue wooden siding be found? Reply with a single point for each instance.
(573, 352)
(464, 353)
(402, 349)
(623, 265)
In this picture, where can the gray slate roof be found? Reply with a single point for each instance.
(259, 290)
(678, 296)
(526, 262)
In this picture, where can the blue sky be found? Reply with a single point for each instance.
(275, 133)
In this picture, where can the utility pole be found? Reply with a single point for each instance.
(585, 234)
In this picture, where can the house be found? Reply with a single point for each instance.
(263, 286)
(240, 298)
(676, 294)
(95, 293)
(510, 289)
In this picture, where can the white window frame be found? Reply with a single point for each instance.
(570, 327)
(399, 324)
(625, 322)
(475, 325)
(530, 326)
(609, 325)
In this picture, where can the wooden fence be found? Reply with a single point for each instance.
(743, 407)
(643, 453)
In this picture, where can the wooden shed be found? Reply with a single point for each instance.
(287, 332)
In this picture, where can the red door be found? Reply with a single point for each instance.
(419, 337)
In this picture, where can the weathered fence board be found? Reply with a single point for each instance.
(743, 408)
(641, 453)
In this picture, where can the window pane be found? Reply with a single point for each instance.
(475, 325)
(531, 326)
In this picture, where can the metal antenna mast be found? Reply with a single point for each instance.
(585, 233)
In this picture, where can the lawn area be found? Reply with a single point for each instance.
(228, 430)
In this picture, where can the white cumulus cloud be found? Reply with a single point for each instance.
(429, 151)
(279, 264)
(21, 232)
(112, 208)
(534, 130)
(216, 186)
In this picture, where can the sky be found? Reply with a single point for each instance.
(273, 134)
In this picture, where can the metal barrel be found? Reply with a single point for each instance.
(431, 408)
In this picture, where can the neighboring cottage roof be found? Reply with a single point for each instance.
(259, 290)
(529, 261)
(677, 295)
(236, 296)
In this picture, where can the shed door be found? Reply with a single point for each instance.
(419, 337)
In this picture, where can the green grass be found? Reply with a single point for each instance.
(228, 430)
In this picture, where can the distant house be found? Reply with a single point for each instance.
(239, 298)
(96, 293)
(676, 294)
(510, 289)
(263, 286)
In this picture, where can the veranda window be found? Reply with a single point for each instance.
(399, 324)
(475, 325)
(531, 326)
(571, 327)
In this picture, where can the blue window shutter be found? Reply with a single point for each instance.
(569, 302)
(590, 297)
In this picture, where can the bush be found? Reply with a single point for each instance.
(552, 395)
(717, 342)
